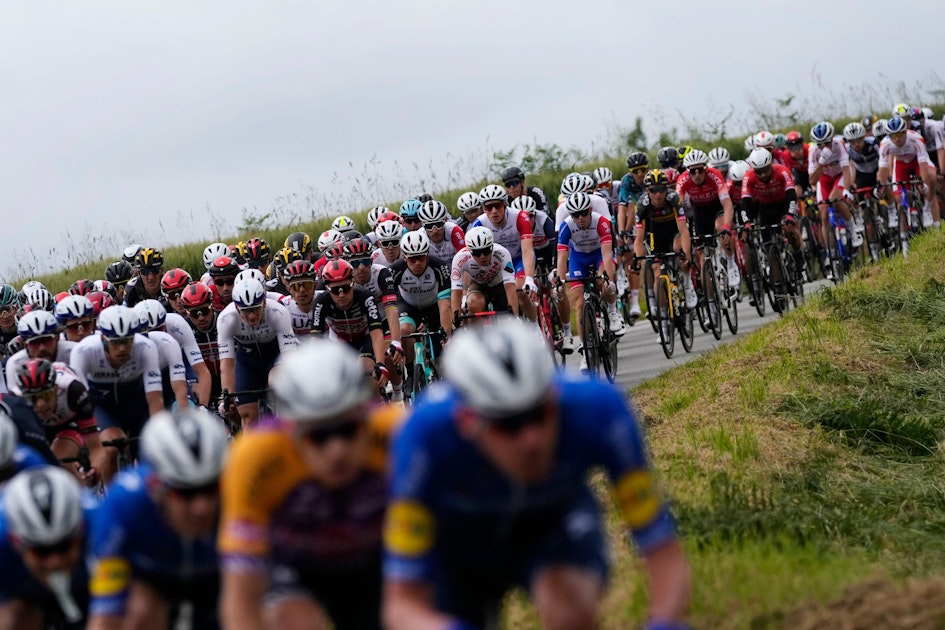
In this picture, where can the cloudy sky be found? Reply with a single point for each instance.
(119, 119)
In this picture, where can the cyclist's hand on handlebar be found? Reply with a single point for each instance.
(457, 321)
(530, 286)
(396, 352)
(90, 476)
(381, 374)
(848, 195)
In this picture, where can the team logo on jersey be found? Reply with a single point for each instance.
(111, 577)
(637, 498)
(409, 529)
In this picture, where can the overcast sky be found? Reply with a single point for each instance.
(115, 115)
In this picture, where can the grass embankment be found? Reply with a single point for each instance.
(806, 458)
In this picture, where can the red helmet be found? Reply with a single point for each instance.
(257, 251)
(388, 216)
(195, 295)
(300, 269)
(223, 266)
(335, 252)
(62, 294)
(175, 280)
(794, 138)
(82, 287)
(35, 376)
(358, 248)
(337, 270)
(100, 301)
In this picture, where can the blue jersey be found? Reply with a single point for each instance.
(130, 539)
(630, 190)
(449, 502)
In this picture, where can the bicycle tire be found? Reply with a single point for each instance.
(559, 356)
(755, 282)
(708, 271)
(544, 324)
(419, 380)
(778, 283)
(730, 302)
(608, 349)
(625, 301)
(837, 264)
(652, 309)
(702, 302)
(665, 326)
(591, 339)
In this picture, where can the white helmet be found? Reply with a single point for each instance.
(9, 437)
(879, 128)
(43, 506)
(186, 449)
(213, 251)
(695, 157)
(37, 323)
(524, 203)
(578, 202)
(589, 183)
(854, 131)
(151, 314)
(375, 212)
(249, 274)
(929, 114)
(901, 109)
(764, 140)
(329, 238)
(131, 252)
(248, 293)
(573, 183)
(342, 384)
(737, 170)
(118, 322)
(343, 224)
(603, 174)
(759, 158)
(40, 297)
(415, 243)
(389, 231)
(73, 307)
(492, 192)
(501, 369)
(433, 211)
(467, 201)
(480, 237)
(719, 156)
(750, 142)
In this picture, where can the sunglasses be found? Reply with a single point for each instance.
(58, 549)
(188, 494)
(199, 312)
(345, 431)
(697, 170)
(581, 213)
(73, 326)
(389, 243)
(124, 341)
(639, 169)
(496, 205)
(172, 295)
(308, 285)
(486, 251)
(360, 262)
(512, 183)
(250, 310)
(46, 394)
(42, 340)
(656, 189)
(149, 271)
(8, 309)
(434, 226)
(514, 424)
(224, 282)
(416, 258)
(341, 289)
(411, 219)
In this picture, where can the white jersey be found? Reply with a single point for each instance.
(90, 364)
(276, 326)
(178, 328)
(499, 270)
(301, 320)
(913, 149)
(833, 158)
(934, 135)
(378, 258)
(63, 354)
(510, 234)
(452, 242)
(72, 398)
(598, 205)
(169, 354)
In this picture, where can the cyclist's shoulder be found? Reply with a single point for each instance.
(384, 421)
(264, 463)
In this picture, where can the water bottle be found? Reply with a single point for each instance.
(842, 235)
(913, 217)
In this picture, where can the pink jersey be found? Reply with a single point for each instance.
(711, 190)
(833, 158)
(571, 237)
(914, 148)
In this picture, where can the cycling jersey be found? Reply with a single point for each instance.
(709, 193)
(933, 133)
(135, 292)
(63, 354)
(424, 290)
(630, 190)
(913, 149)
(178, 327)
(74, 408)
(571, 238)
(454, 513)
(511, 233)
(351, 324)
(169, 354)
(734, 191)
(130, 541)
(867, 159)
(773, 191)
(452, 242)
(301, 320)
(378, 258)
(833, 158)
(207, 342)
(660, 222)
(28, 426)
(498, 271)
(799, 168)
(275, 330)
(381, 286)
(598, 206)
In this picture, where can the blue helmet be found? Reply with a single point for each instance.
(822, 132)
(896, 125)
(410, 208)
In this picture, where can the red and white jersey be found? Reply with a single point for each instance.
(772, 191)
(499, 270)
(598, 205)
(571, 237)
(453, 241)
(378, 258)
(712, 189)
(73, 403)
(914, 148)
(833, 158)
(734, 191)
(512, 232)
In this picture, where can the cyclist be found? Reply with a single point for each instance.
(490, 491)
(62, 403)
(345, 224)
(912, 160)
(9, 307)
(172, 284)
(36, 297)
(423, 291)
(222, 273)
(933, 132)
(299, 278)
(303, 546)
(151, 323)
(720, 160)
(446, 238)
(352, 316)
(39, 332)
(252, 332)
(373, 218)
(604, 188)
(864, 155)
(43, 540)
(491, 276)
(176, 324)
(669, 161)
(828, 165)
(202, 320)
(150, 265)
(631, 189)
(76, 317)
(768, 141)
(302, 243)
(469, 208)
(14, 456)
(410, 214)
(283, 258)
(513, 178)
(797, 159)
(119, 273)
(513, 231)
(82, 287)
(153, 540)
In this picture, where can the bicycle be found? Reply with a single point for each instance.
(127, 451)
(715, 281)
(666, 304)
(755, 264)
(599, 342)
(548, 320)
(809, 225)
(425, 355)
(705, 283)
(784, 284)
(624, 295)
(881, 241)
(84, 465)
(231, 418)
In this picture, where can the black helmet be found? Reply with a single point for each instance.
(668, 157)
(149, 258)
(300, 242)
(424, 197)
(637, 159)
(655, 177)
(512, 173)
(119, 272)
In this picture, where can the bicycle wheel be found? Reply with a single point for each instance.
(683, 319)
(810, 249)
(419, 380)
(729, 301)
(560, 357)
(590, 338)
(837, 265)
(755, 282)
(702, 303)
(795, 283)
(778, 281)
(652, 309)
(711, 286)
(664, 318)
(608, 348)
(544, 324)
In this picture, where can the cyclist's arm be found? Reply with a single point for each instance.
(241, 594)
(562, 263)
(151, 375)
(607, 252)
(528, 257)
(456, 300)
(456, 279)
(669, 580)
(409, 606)
(17, 613)
(228, 374)
(446, 314)
(510, 295)
(204, 383)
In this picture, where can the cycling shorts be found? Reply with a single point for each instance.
(865, 180)
(363, 346)
(414, 316)
(493, 294)
(120, 406)
(580, 264)
(826, 186)
(519, 265)
(203, 595)
(253, 364)
(704, 217)
(907, 170)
